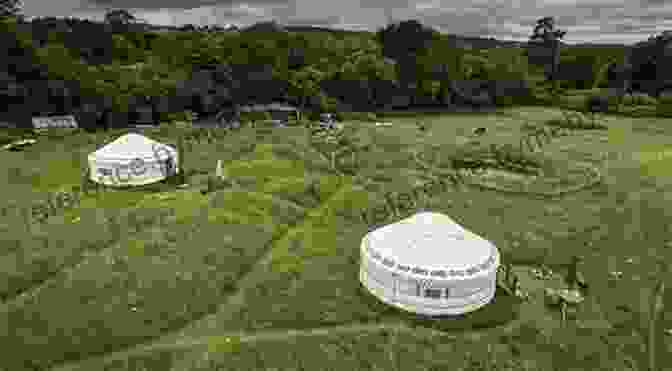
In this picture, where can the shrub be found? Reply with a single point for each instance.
(575, 101)
(505, 101)
(601, 78)
(359, 116)
(664, 109)
(641, 99)
(665, 99)
(183, 116)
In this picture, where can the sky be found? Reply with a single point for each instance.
(595, 21)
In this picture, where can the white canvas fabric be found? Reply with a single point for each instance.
(132, 160)
(429, 251)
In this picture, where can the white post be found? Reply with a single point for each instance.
(218, 172)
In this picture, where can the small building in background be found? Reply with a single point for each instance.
(279, 113)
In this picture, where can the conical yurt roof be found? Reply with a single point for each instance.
(433, 242)
(132, 146)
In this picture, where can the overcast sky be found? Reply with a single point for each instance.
(599, 21)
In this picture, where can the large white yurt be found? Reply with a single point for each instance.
(132, 160)
(428, 264)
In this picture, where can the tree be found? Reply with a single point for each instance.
(305, 83)
(403, 42)
(407, 37)
(188, 27)
(10, 8)
(119, 16)
(545, 32)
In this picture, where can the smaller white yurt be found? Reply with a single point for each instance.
(132, 160)
(428, 264)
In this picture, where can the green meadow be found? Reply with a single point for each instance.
(262, 273)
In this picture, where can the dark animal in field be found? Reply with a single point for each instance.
(597, 103)
(479, 131)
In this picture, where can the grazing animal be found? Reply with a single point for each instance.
(479, 131)
(597, 103)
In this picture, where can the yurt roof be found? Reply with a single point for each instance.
(431, 245)
(132, 146)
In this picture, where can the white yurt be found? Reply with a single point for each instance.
(428, 264)
(132, 160)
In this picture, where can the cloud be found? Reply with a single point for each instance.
(585, 20)
(177, 4)
(324, 21)
(654, 2)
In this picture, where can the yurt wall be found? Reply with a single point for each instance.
(379, 279)
(407, 286)
(469, 287)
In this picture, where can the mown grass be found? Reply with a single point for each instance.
(279, 251)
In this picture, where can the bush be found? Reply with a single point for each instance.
(182, 116)
(665, 99)
(601, 77)
(641, 99)
(575, 101)
(504, 101)
(664, 110)
(359, 116)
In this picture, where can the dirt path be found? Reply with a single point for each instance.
(287, 334)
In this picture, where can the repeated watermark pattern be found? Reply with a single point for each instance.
(340, 160)
(545, 132)
(42, 210)
(56, 202)
(138, 166)
(398, 204)
(405, 202)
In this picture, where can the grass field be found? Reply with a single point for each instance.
(263, 275)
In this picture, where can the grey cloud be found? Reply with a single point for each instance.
(178, 4)
(232, 13)
(615, 18)
(324, 21)
(655, 2)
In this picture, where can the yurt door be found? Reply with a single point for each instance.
(395, 285)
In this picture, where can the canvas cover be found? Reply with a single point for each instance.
(429, 251)
(434, 242)
(132, 159)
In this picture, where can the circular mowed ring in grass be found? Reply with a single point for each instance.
(553, 178)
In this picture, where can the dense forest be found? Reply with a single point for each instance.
(110, 73)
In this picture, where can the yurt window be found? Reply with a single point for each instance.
(439, 273)
(417, 270)
(472, 270)
(433, 293)
(404, 268)
(104, 171)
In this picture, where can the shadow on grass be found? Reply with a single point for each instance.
(503, 309)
